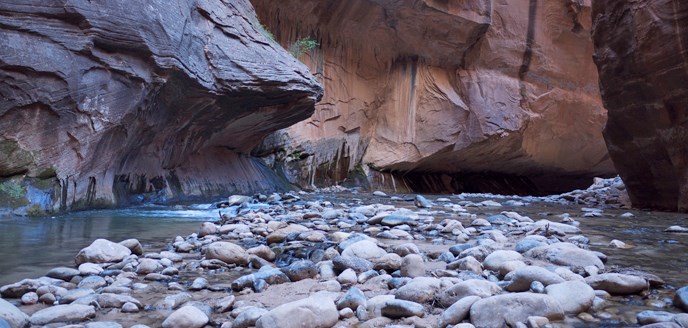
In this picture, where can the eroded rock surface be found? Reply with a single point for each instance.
(442, 88)
(640, 53)
(103, 99)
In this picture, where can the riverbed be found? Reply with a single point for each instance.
(31, 247)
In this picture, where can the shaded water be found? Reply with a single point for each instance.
(31, 246)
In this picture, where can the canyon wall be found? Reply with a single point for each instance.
(640, 50)
(101, 100)
(444, 95)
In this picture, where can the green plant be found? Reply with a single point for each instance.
(301, 46)
(265, 31)
(12, 189)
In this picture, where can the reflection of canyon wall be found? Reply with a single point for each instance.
(108, 98)
(502, 88)
(640, 51)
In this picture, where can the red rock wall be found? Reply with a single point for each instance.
(445, 87)
(640, 51)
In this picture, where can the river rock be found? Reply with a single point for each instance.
(347, 277)
(208, 228)
(565, 254)
(419, 290)
(478, 252)
(109, 300)
(342, 263)
(412, 266)
(388, 262)
(573, 296)
(186, 317)
(63, 313)
(315, 312)
(364, 249)
(510, 309)
(353, 298)
(406, 249)
(472, 287)
(92, 282)
(102, 251)
(227, 252)
(133, 245)
(74, 294)
(199, 283)
(569, 229)
(272, 276)
(236, 200)
(649, 317)
(62, 273)
(248, 317)
(147, 266)
(129, 307)
(12, 315)
(175, 301)
(468, 263)
(394, 220)
(422, 202)
(29, 298)
(617, 283)
(17, 289)
(681, 319)
(396, 309)
(300, 270)
(87, 269)
(522, 278)
(263, 252)
(458, 311)
(495, 260)
(280, 235)
(530, 242)
(681, 298)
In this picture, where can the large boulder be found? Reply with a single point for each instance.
(166, 100)
(507, 310)
(102, 251)
(315, 312)
(640, 55)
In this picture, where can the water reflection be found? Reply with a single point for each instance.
(29, 247)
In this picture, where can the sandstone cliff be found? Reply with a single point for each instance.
(445, 95)
(640, 51)
(104, 99)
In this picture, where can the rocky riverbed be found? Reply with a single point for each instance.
(339, 258)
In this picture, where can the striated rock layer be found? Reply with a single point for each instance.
(104, 99)
(435, 92)
(640, 51)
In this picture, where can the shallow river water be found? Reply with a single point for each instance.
(30, 247)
